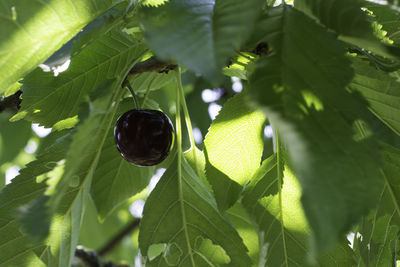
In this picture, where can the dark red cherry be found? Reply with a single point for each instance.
(143, 136)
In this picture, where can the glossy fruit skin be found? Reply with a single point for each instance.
(143, 136)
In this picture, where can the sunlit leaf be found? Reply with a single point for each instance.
(179, 216)
(234, 147)
(17, 247)
(272, 199)
(32, 30)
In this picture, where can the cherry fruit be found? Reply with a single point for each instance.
(143, 136)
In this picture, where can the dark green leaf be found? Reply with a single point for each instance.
(115, 179)
(96, 235)
(69, 196)
(377, 244)
(200, 35)
(170, 213)
(141, 82)
(388, 18)
(348, 19)
(13, 137)
(302, 91)
(381, 91)
(54, 101)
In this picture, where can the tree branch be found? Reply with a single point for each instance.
(114, 241)
(91, 259)
(11, 102)
(150, 65)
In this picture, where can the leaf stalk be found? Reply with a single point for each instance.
(179, 161)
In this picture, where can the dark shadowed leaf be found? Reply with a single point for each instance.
(54, 101)
(347, 18)
(115, 179)
(381, 91)
(201, 35)
(306, 101)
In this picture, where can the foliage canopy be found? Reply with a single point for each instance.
(320, 76)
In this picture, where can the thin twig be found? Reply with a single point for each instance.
(150, 65)
(91, 259)
(114, 241)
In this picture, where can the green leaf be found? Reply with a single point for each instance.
(115, 179)
(32, 30)
(141, 82)
(388, 18)
(349, 20)
(13, 137)
(164, 222)
(234, 145)
(302, 90)
(196, 160)
(377, 246)
(96, 235)
(240, 219)
(54, 101)
(381, 91)
(17, 248)
(390, 195)
(200, 35)
(272, 199)
(69, 198)
(377, 243)
(111, 19)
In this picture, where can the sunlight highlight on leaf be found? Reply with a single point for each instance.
(292, 214)
(235, 130)
(162, 221)
(32, 30)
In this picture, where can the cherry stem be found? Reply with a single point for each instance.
(133, 95)
(179, 162)
(185, 109)
(148, 90)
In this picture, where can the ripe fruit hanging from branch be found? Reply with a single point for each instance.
(143, 136)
